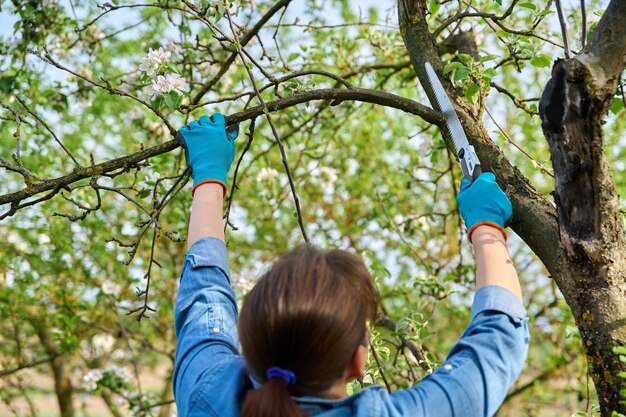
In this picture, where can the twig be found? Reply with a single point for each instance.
(563, 24)
(413, 347)
(250, 135)
(621, 87)
(380, 368)
(244, 41)
(40, 120)
(18, 120)
(274, 36)
(508, 138)
(107, 86)
(145, 292)
(461, 15)
(167, 198)
(518, 103)
(31, 364)
(108, 7)
(86, 209)
(583, 11)
(283, 154)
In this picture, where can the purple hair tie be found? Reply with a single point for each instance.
(284, 374)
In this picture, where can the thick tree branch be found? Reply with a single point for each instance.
(534, 217)
(607, 44)
(573, 107)
(335, 95)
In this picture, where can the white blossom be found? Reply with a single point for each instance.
(399, 221)
(102, 343)
(214, 6)
(207, 69)
(121, 373)
(91, 379)
(44, 239)
(330, 174)
(111, 288)
(173, 82)
(151, 63)
(266, 173)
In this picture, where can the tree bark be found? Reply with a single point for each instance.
(591, 230)
(61, 369)
(582, 243)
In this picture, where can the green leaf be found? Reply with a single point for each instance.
(157, 101)
(488, 58)
(472, 90)
(466, 59)
(172, 99)
(572, 331)
(528, 5)
(292, 56)
(6, 83)
(499, 2)
(172, 67)
(541, 61)
(434, 6)
(451, 66)
(144, 193)
(461, 74)
(488, 74)
(617, 105)
(619, 350)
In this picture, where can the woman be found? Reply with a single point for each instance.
(303, 328)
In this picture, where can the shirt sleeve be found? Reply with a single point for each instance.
(205, 317)
(482, 365)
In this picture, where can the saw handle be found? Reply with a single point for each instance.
(470, 164)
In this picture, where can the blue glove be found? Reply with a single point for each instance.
(482, 202)
(209, 149)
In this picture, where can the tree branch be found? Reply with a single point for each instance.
(335, 95)
(31, 364)
(244, 41)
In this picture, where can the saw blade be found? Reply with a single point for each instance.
(444, 105)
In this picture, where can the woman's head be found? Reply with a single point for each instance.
(308, 315)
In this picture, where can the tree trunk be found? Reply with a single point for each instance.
(582, 243)
(61, 369)
(591, 231)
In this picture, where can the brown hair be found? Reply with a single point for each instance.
(307, 314)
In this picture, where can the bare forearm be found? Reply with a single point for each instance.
(206, 213)
(493, 262)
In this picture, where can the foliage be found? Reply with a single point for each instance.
(84, 83)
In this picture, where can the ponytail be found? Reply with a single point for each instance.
(310, 308)
(272, 399)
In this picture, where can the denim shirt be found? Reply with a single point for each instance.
(210, 378)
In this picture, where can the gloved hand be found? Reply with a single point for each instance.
(482, 202)
(209, 149)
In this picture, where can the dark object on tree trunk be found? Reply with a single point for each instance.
(583, 244)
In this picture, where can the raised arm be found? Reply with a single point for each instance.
(206, 213)
(486, 210)
(487, 359)
(206, 309)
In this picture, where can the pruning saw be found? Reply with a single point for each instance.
(470, 164)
